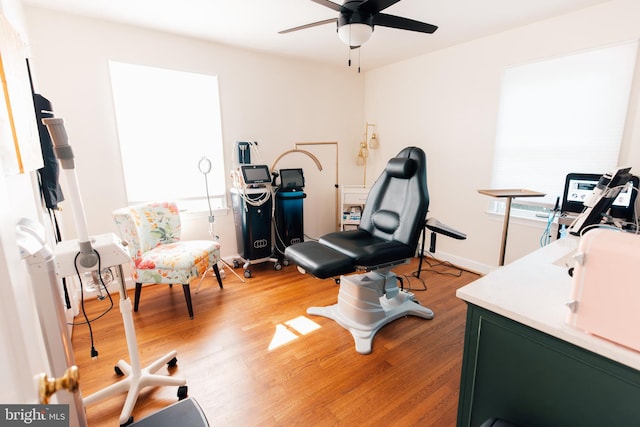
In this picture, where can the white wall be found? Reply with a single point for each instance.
(447, 103)
(273, 100)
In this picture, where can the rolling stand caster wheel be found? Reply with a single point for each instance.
(247, 274)
(285, 262)
(118, 371)
(172, 363)
(182, 392)
(277, 266)
(128, 423)
(236, 263)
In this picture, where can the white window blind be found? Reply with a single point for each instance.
(562, 115)
(167, 122)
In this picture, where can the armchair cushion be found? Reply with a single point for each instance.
(176, 262)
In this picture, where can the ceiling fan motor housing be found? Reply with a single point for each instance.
(356, 17)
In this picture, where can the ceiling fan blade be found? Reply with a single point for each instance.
(331, 5)
(400, 23)
(375, 6)
(313, 24)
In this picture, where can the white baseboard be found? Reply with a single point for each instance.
(464, 263)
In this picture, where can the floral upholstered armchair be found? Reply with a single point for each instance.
(152, 234)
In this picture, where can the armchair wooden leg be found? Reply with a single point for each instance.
(217, 271)
(187, 297)
(136, 299)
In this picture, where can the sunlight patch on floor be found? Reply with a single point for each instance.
(292, 330)
(302, 324)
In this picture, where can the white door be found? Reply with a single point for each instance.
(25, 351)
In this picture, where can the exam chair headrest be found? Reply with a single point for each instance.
(401, 167)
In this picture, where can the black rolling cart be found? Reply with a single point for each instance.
(288, 213)
(252, 210)
(252, 203)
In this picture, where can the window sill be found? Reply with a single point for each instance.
(520, 217)
(196, 213)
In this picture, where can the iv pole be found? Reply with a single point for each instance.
(204, 165)
(86, 254)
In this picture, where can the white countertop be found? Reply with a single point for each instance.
(533, 291)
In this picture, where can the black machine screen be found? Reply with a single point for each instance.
(578, 187)
(291, 179)
(255, 174)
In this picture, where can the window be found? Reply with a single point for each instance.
(168, 121)
(560, 116)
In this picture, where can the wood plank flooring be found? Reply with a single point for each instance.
(242, 375)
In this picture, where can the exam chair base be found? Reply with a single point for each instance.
(366, 303)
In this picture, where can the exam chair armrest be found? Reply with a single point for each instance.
(440, 228)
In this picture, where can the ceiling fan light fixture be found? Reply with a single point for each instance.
(355, 34)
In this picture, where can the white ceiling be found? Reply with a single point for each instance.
(254, 24)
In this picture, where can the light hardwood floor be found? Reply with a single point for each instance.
(240, 377)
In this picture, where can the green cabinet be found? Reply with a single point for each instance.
(517, 373)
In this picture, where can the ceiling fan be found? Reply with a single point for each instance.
(357, 19)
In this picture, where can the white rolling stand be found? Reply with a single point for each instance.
(113, 254)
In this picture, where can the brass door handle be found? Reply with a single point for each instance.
(48, 386)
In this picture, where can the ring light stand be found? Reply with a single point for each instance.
(87, 254)
(204, 165)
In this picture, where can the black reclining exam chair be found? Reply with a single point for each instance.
(391, 223)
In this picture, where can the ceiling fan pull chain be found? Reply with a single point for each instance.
(349, 45)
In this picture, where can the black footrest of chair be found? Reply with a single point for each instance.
(186, 412)
(319, 260)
